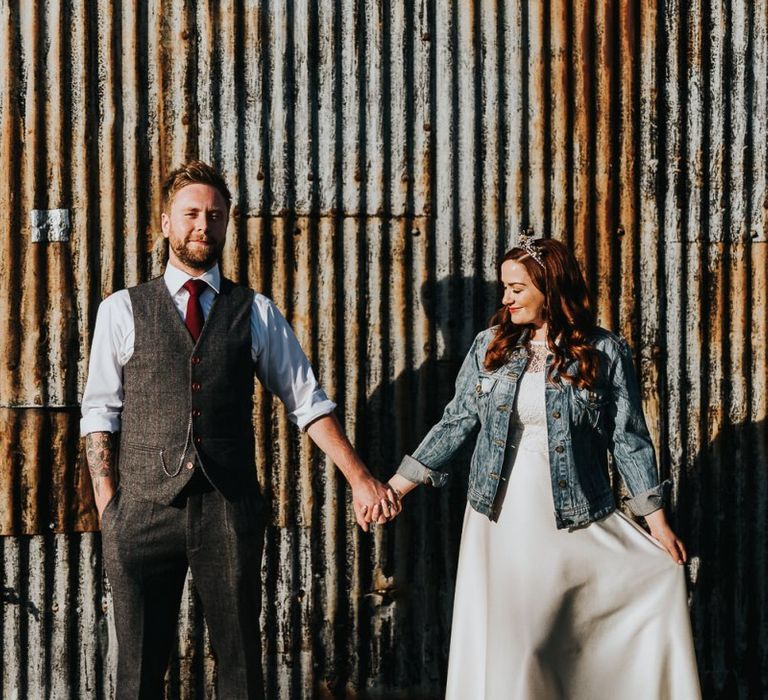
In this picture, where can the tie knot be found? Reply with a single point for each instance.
(195, 287)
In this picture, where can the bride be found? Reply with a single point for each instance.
(558, 594)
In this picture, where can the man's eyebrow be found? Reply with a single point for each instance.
(194, 208)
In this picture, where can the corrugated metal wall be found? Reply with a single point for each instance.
(382, 155)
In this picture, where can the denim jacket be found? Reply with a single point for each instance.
(583, 427)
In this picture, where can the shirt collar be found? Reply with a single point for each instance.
(175, 278)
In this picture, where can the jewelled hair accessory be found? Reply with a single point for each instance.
(528, 244)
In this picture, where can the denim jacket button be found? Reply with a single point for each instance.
(556, 414)
(559, 449)
(562, 483)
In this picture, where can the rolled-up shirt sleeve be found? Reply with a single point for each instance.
(102, 401)
(283, 368)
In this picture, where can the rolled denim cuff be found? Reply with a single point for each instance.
(415, 471)
(651, 500)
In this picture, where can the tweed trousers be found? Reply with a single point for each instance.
(148, 548)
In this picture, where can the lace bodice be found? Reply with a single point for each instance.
(529, 418)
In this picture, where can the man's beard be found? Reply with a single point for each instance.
(196, 258)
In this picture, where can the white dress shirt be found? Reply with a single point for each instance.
(281, 365)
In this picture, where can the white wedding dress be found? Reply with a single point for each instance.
(540, 613)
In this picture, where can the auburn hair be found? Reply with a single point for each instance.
(567, 311)
(194, 172)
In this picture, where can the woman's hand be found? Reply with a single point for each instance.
(663, 533)
(373, 501)
(389, 509)
(386, 509)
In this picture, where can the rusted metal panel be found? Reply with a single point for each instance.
(54, 624)
(538, 117)
(646, 317)
(512, 123)
(381, 156)
(580, 229)
(559, 123)
(628, 168)
(758, 138)
(44, 482)
(445, 157)
(606, 65)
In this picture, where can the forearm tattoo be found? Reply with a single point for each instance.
(100, 455)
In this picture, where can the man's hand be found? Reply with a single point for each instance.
(374, 502)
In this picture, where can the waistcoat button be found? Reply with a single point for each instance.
(190, 465)
(196, 386)
(198, 440)
(196, 360)
(196, 412)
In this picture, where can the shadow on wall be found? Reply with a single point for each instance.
(723, 519)
(722, 515)
(421, 547)
(403, 621)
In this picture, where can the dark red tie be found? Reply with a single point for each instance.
(194, 319)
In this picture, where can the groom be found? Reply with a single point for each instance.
(167, 419)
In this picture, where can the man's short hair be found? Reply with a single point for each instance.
(192, 173)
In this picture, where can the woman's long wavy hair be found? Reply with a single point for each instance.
(567, 311)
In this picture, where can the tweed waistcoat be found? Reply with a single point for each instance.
(188, 405)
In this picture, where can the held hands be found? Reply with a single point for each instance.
(386, 503)
(374, 502)
(662, 532)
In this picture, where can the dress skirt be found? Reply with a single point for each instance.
(597, 613)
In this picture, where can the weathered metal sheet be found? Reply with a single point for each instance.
(381, 156)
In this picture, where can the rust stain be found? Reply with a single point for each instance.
(582, 151)
(605, 158)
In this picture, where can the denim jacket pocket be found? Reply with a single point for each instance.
(484, 385)
(485, 389)
(588, 406)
